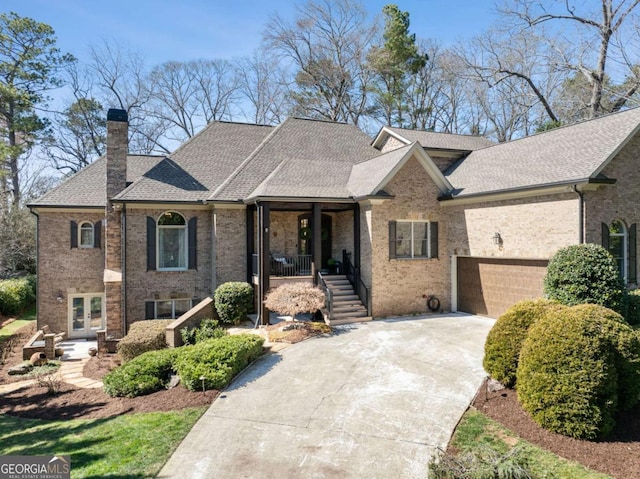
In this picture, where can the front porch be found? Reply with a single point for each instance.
(306, 242)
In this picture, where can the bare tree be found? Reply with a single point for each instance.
(326, 44)
(263, 85)
(596, 30)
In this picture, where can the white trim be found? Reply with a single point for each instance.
(386, 132)
(512, 195)
(93, 240)
(428, 238)
(186, 241)
(625, 245)
(87, 331)
(45, 209)
(166, 206)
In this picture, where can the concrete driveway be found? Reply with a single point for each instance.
(374, 400)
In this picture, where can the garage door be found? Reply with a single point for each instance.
(488, 286)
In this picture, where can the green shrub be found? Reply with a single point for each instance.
(145, 374)
(217, 360)
(577, 368)
(143, 336)
(233, 301)
(633, 307)
(585, 273)
(207, 329)
(502, 348)
(16, 294)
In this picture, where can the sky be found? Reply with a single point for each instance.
(163, 30)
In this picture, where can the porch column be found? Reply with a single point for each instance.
(251, 236)
(356, 238)
(264, 263)
(316, 248)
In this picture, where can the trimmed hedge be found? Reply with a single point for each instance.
(585, 273)
(217, 360)
(633, 307)
(207, 329)
(143, 336)
(233, 301)
(504, 342)
(145, 374)
(577, 369)
(17, 294)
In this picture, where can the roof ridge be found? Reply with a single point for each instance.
(320, 120)
(439, 132)
(247, 160)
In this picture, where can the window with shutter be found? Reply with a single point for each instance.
(633, 255)
(192, 236)
(73, 234)
(97, 235)
(151, 243)
(409, 239)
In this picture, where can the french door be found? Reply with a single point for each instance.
(86, 315)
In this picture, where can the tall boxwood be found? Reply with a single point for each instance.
(233, 301)
(16, 294)
(504, 342)
(585, 273)
(577, 369)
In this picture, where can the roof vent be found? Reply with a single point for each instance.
(117, 115)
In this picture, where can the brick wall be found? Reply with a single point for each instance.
(618, 201)
(142, 285)
(398, 285)
(62, 269)
(529, 227)
(231, 245)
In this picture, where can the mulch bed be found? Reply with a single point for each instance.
(618, 455)
(14, 357)
(77, 403)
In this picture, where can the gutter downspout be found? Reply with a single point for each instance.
(33, 212)
(580, 213)
(214, 266)
(123, 267)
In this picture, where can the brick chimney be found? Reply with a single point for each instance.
(117, 149)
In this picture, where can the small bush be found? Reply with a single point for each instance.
(208, 329)
(233, 301)
(145, 374)
(295, 298)
(585, 273)
(16, 294)
(482, 463)
(217, 360)
(143, 336)
(577, 368)
(502, 348)
(633, 307)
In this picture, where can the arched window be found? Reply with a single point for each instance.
(618, 246)
(172, 241)
(85, 235)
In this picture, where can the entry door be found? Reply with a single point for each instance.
(86, 315)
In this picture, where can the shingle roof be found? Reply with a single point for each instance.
(88, 187)
(295, 142)
(568, 153)
(443, 141)
(366, 176)
(206, 159)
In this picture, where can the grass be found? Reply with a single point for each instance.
(22, 320)
(130, 445)
(476, 431)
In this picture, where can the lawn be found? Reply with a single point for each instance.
(24, 319)
(476, 431)
(130, 445)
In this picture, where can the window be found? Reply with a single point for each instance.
(172, 242)
(167, 308)
(86, 235)
(413, 239)
(621, 242)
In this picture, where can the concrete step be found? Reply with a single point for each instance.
(350, 314)
(340, 293)
(338, 282)
(335, 289)
(344, 307)
(339, 322)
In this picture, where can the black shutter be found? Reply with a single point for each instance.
(605, 236)
(192, 233)
(149, 310)
(151, 244)
(73, 234)
(392, 239)
(97, 235)
(434, 239)
(633, 255)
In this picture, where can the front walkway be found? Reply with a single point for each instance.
(374, 400)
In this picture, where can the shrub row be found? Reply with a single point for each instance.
(17, 294)
(218, 360)
(207, 329)
(143, 336)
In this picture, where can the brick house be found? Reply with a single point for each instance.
(408, 222)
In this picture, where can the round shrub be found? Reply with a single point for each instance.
(585, 273)
(233, 301)
(502, 348)
(145, 374)
(143, 336)
(217, 360)
(572, 367)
